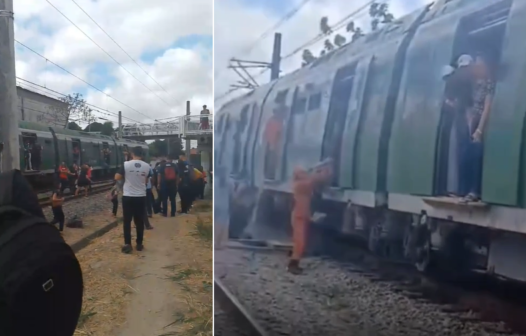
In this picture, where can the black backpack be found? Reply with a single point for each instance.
(41, 283)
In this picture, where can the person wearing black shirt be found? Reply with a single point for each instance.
(167, 184)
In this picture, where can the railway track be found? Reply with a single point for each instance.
(348, 290)
(97, 188)
(236, 314)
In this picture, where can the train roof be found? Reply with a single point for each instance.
(26, 125)
(351, 49)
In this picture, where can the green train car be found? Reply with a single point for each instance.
(376, 107)
(58, 146)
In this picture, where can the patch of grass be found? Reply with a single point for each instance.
(202, 206)
(204, 230)
(84, 317)
(184, 274)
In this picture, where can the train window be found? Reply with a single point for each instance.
(47, 141)
(299, 106)
(314, 101)
(224, 139)
(241, 126)
(281, 97)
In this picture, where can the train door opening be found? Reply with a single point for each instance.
(273, 136)
(335, 124)
(297, 112)
(76, 148)
(29, 140)
(240, 127)
(253, 117)
(126, 153)
(481, 36)
(106, 154)
(224, 127)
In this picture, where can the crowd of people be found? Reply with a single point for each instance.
(136, 181)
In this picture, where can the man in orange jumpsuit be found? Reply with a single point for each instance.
(303, 187)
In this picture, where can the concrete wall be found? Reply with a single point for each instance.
(35, 107)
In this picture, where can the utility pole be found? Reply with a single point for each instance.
(120, 124)
(9, 141)
(276, 57)
(247, 80)
(187, 141)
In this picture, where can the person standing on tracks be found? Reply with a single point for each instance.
(57, 200)
(185, 183)
(63, 177)
(167, 184)
(83, 181)
(135, 174)
(303, 186)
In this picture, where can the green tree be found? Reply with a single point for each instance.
(107, 128)
(74, 126)
(93, 127)
(76, 110)
(160, 147)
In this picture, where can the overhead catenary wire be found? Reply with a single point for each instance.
(60, 94)
(107, 53)
(278, 24)
(82, 80)
(118, 45)
(338, 25)
(341, 23)
(289, 15)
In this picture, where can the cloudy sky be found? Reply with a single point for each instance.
(170, 39)
(238, 23)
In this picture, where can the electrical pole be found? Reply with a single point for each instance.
(187, 141)
(120, 124)
(9, 141)
(247, 79)
(276, 57)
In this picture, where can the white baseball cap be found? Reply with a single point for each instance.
(447, 70)
(464, 60)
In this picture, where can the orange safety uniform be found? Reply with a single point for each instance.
(304, 184)
(273, 132)
(63, 172)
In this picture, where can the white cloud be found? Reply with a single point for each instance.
(238, 25)
(140, 27)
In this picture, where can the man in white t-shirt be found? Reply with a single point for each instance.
(135, 174)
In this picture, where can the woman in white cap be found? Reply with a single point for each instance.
(458, 99)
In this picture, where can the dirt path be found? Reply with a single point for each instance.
(164, 290)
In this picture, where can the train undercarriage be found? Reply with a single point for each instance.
(430, 244)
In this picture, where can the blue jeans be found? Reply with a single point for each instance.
(470, 161)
